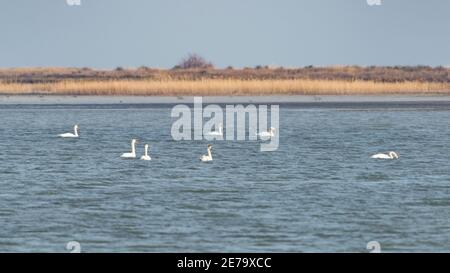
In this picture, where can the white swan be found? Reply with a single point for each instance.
(217, 133)
(268, 134)
(146, 156)
(390, 155)
(208, 157)
(71, 135)
(133, 150)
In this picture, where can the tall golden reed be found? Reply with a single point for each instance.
(223, 87)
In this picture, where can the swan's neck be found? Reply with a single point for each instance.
(209, 153)
(133, 148)
(220, 129)
(75, 129)
(146, 151)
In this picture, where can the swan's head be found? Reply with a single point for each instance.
(393, 155)
(209, 147)
(272, 130)
(134, 141)
(146, 146)
(76, 127)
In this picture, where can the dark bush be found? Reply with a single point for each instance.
(194, 61)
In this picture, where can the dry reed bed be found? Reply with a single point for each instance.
(220, 87)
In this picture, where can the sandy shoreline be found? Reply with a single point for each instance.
(31, 99)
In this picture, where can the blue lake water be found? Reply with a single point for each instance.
(319, 192)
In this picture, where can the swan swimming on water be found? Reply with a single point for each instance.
(268, 134)
(208, 157)
(390, 155)
(217, 133)
(71, 135)
(133, 150)
(146, 156)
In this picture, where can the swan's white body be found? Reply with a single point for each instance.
(71, 135)
(146, 157)
(208, 157)
(217, 133)
(390, 155)
(268, 134)
(133, 150)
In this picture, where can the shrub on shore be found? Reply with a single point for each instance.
(194, 61)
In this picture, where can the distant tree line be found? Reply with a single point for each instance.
(195, 67)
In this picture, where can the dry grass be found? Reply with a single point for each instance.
(344, 80)
(341, 73)
(222, 87)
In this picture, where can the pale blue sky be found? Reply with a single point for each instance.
(158, 33)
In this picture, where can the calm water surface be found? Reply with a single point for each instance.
(320, 192)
